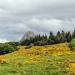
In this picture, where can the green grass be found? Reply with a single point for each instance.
(49, 64)
(35, 69)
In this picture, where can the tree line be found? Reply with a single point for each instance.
(60, 37)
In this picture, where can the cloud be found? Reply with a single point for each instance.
(46, 25)
(40, 16)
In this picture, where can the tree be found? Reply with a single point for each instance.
(51, 36)
(73, 34)
(27, 38)
(63, 34)
(68, 37)
(58, 37)
(27, 35)
(72, 44)
(51, 39)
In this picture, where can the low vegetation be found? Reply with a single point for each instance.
(39, 55)
(72, 44)
(55, 59)
(7, 47)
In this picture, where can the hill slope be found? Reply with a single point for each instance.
(39, 60)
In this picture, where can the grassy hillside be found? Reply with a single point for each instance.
(39, 60)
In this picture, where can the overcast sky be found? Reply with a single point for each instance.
(42, 16)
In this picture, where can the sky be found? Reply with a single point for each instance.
(39, 16)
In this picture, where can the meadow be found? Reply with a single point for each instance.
(55, 59)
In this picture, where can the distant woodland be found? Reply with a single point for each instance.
(40, 40)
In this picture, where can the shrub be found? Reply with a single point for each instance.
(13, 43)
(40, 43)
(27, 47)
(72, 44)
(7, 48)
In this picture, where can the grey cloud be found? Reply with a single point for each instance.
(42, 16)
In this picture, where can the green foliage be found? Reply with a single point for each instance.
(73, 35)
(27, 47)
(68, 37)
(49, 41)
(72, 44)
(60, 37)
(13, 44)
(7, 48)
(40, 43)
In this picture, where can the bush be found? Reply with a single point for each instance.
(29, 46)
(13, 44)
(72, 44)
(7, 48)
(40, 43)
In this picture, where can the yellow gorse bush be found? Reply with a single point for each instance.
(35, 55)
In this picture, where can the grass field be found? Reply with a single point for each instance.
(39, 60)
